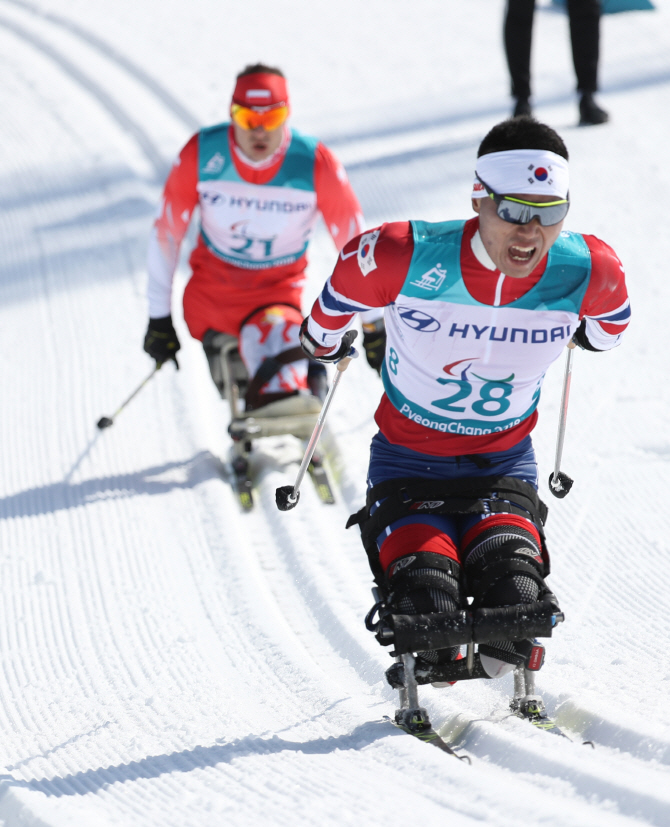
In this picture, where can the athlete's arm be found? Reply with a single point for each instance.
(605, 311)
(369, 273)
(335, 198)
(180, 197)
(342, 214)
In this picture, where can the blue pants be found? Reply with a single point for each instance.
(388, 461)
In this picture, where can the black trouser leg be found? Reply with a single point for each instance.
(585, 38)
(212, 343)
(518, 32)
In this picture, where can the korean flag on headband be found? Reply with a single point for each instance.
(366, 252)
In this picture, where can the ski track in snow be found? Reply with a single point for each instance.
(167, 659)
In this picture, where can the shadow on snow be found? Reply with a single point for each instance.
(198, 757)
(160, 479)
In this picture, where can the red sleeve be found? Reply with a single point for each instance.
(335, 197)
(606, 306)
(370, 272)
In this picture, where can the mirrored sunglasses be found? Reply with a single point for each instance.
(516, 211)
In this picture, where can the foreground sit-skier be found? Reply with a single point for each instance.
(476, 311)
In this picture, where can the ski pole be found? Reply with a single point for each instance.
(107, 421)
(287, 496)
(559, 482)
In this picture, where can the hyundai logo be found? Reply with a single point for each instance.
(418, 320)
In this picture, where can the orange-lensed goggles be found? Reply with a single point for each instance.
(248, 118)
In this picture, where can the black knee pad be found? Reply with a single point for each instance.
(425, 583)
(504, 567)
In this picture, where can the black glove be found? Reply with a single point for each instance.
(581, 340)
(322, 354)
(374, 342)
(161, 342)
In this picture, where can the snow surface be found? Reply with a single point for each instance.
(168, 660)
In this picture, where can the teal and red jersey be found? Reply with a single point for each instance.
(468, 347)
(256, 221)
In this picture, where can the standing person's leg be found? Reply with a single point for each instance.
(585, 40)
(518, 32)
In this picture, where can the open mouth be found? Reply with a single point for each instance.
(521, 254)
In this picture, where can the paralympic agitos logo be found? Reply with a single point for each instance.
(418, 320)
(460, 368)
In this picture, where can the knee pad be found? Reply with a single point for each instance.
(425, 583)
(504, 567)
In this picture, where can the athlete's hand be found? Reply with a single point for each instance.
(325, 354)
(160, 341)
(581, 340)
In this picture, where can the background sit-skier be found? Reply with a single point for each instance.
(476, 312)
(260, 187)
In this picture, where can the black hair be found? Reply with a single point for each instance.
(257, 68)
(522, 133)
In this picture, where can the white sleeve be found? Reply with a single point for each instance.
(161, 271)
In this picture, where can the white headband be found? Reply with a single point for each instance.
(523, 171)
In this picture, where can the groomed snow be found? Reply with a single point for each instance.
(169, 660)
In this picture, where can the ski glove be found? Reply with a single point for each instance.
(161, 342)
(374, 342)
(325, 354)
(581, 339)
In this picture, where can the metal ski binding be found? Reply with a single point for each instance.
(525, 702)
(410, 716)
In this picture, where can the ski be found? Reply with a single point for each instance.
(536, 717)
(540, 721)
(321, 480)
(411, 717)
(526, 704)
(421, 728)
(242, 485)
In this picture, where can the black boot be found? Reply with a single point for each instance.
(425, 583)
(504, 567)
(590, 114)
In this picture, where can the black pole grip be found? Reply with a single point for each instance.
(286, 497)
(561, 487)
